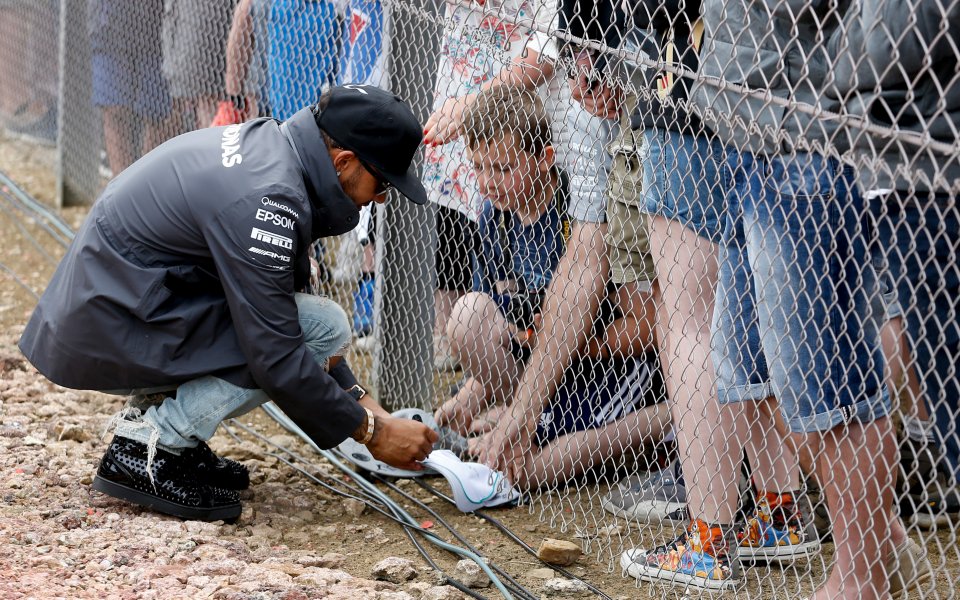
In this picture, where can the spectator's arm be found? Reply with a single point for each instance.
(239, 48)
(445, 124)
(569, 311)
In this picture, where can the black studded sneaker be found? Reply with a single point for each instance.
(216, 470)
(178, 487)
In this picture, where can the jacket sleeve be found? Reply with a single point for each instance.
(254, 260)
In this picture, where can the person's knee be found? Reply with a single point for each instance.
(467, 315)
(326, 328)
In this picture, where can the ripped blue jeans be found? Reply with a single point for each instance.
(196, 408)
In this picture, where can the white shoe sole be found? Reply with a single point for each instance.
(628, 562)
(778, 554)
(646, 512)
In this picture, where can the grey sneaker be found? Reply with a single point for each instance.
(908, 569)
(652, 497)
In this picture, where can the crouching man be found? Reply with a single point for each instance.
(181, 282)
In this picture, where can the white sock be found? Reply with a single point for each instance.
(918, 430)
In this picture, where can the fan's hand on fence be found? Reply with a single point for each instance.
(597, 97)
(505, 444)
(455, 414)
(402, 443)
(445, 124)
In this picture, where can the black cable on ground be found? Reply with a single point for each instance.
(524, 592)
(35, 206)
(364, 497)
(509, 533)
(19, 281)
(23, 231)
(38, 219)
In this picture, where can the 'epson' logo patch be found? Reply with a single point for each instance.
(277, 219)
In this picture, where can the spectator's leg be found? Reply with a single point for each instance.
(571, 455)
(803, 213)
(774, 464)
(118, 127)
(569, 311)
(200, 405)
(480, 338)
(707, 438)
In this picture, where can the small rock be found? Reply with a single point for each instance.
(418, 588)
(442, 592)
(66, 431)
(244, 451)
(542, 573)
(32, 441)
(354, 507)
(471, 574)
(330, 560)
(394, 569)
(558, 552)
(532, 528)
(565, 587)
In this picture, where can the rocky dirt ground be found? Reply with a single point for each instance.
(295, 539)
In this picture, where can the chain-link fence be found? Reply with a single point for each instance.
(688, 272)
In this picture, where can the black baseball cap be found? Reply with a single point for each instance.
(380, 129)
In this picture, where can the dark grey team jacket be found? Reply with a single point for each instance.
(187, 266)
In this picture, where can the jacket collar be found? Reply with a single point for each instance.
(334, 213)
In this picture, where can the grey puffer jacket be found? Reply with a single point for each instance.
(903, 57)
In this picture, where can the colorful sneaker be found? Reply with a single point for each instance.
(928, 493)
(780, 530)
(649, 497)
(703, 557)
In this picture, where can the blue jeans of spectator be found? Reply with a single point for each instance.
(798, 300)
(193, 413)
(919, 236)
(681, 180)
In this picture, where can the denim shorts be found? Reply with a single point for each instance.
(681, 180)
(798, 309)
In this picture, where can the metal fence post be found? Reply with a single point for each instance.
(406, 236)
(79, 124)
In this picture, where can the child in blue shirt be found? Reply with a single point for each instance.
(598, 410)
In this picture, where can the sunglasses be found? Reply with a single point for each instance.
(382, 184)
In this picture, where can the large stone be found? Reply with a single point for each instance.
(394, 569)
(471, 574)
(558, 552)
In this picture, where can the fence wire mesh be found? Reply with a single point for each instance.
(688, 273)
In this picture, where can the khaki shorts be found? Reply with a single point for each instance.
(628, 241)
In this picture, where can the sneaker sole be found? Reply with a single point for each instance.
(653, 512)
(229, 513)
(778, 554)
(671, 578)
(930, 522)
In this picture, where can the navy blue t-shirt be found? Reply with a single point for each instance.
(521, 258)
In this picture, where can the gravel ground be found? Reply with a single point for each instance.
(295, 539)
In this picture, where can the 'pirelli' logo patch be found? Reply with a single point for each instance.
(271, 238)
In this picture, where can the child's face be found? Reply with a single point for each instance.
(507, 175)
